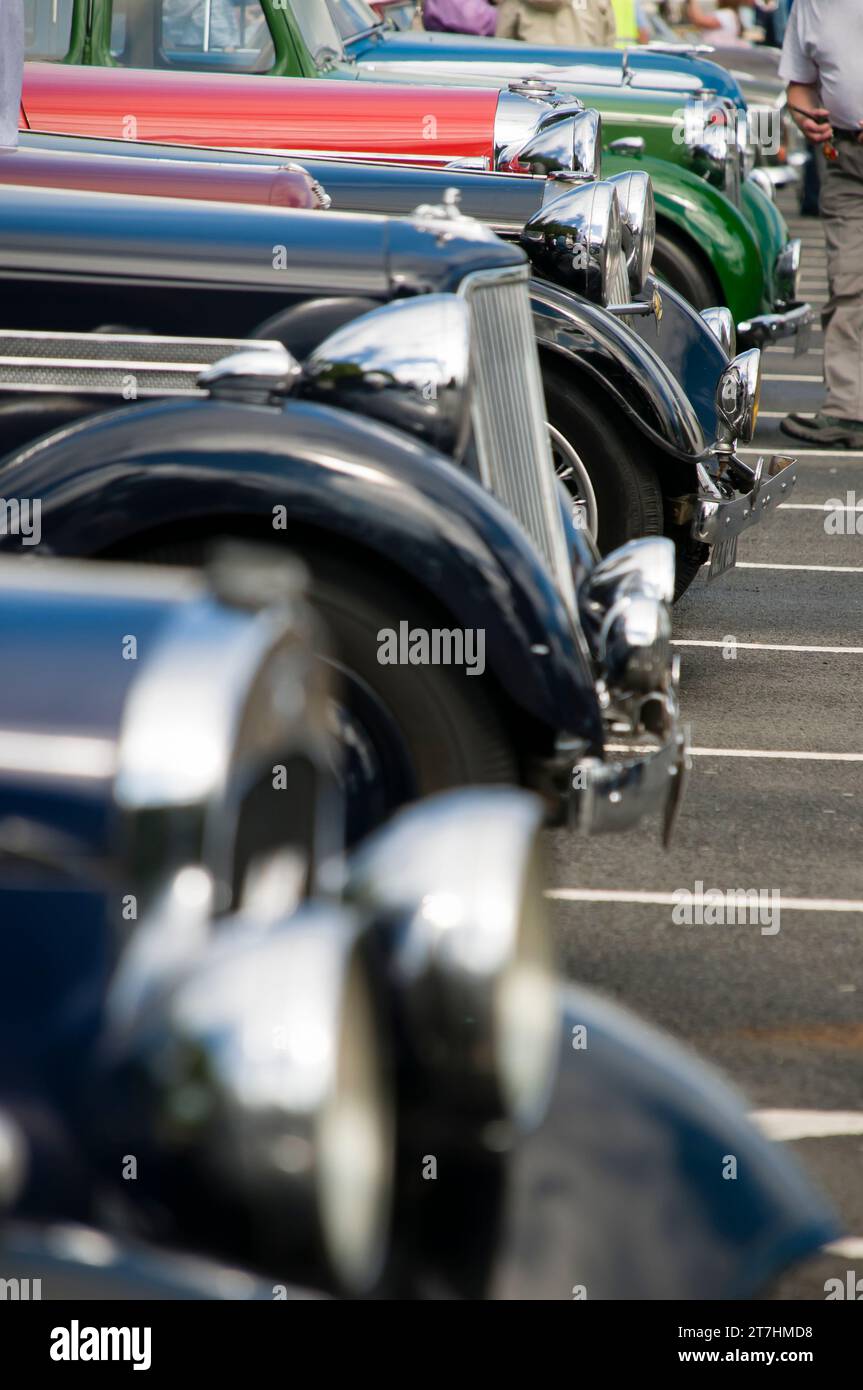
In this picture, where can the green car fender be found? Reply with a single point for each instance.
(772, 232)
(708, 225)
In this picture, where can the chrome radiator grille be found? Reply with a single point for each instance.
(107, 363)
(509, 418)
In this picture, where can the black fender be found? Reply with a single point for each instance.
(626, 1189)
(628, 371)
(208, 467)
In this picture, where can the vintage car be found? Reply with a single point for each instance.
(623, 437)
(740, 256)
(400, 447)
(239, 1064)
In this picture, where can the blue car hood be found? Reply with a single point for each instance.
(588, 65)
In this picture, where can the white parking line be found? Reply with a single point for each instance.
(625, 895)
(825, 454)
(788, 376)
(767, 647)
(785, 1125)
(816, 507)
(780, 754)
(816, 569)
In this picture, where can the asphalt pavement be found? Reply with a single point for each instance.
(772, 688)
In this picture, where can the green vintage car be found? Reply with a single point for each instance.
(720, 239)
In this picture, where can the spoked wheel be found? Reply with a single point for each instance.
(570, 469)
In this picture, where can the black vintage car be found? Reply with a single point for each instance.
(220, 1038)
(639, 441)
(405, 457)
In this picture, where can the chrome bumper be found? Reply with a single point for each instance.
(616, 794)
(717, 520)
(794, 321)
(598, 795)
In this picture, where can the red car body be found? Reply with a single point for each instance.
(287, 187)
(420, 124)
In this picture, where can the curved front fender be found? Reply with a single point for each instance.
(203, 466)
(628, 1191)
(702, 216)
(621, 363)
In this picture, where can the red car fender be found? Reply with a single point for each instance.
(427, 125)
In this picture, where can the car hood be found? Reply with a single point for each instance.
(446, 53)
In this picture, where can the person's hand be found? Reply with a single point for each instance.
(815, 125)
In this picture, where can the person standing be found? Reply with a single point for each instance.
(821, 63)
(11, 70)
(565, 23)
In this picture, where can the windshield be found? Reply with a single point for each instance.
(317, 27)
(47, 28)
(352, 17)
(194, 35)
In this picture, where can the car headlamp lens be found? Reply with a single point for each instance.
(354, 1138)
(460, 877)
(257, 1081)
(720, 321)
(576, 238)
(638, 218)
(407, 363)
(738, 396)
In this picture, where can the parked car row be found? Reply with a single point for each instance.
(460, 367)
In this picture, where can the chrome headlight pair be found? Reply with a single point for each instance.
(537, 131)
(578, 237)
(738, 395)
(251, 1066)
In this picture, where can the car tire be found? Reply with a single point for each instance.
(426, 728)
(626, 489)
(683, 269)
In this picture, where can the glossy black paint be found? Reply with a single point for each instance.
(682, 340)
(691, 352)
(574, 1214)
(115, 482)
(622, 366)
(169, 243)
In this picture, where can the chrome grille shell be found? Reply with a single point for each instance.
(509, 415)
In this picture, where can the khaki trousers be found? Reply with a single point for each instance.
(842, 318)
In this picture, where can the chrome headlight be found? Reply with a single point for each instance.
(624, 604)
(720, 321)
(710, 135)
(576, 238)
(255, 1083)
(638, 214)
(787, 271)
(459, 879)
(544, 136)
(407, 363)
(737, 397)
